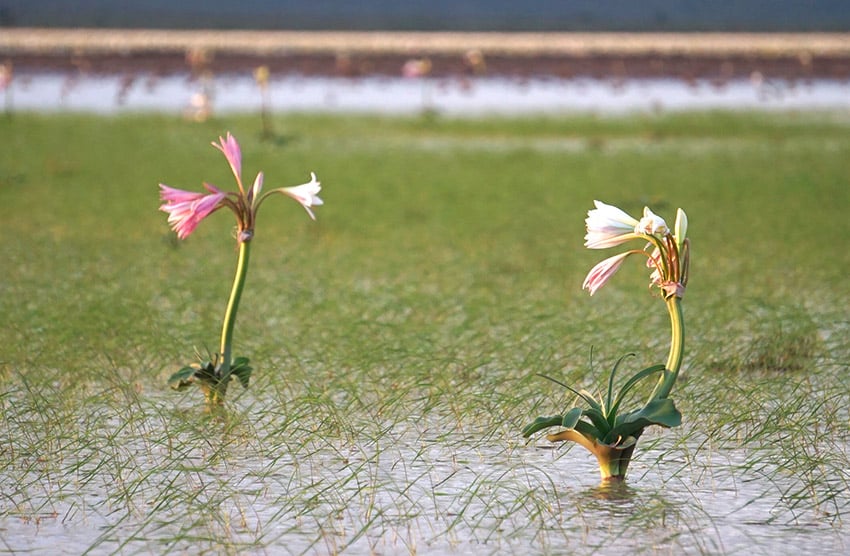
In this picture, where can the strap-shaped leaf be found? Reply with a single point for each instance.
(542, 423)
(649, 371)
(657, 412)
(571, 418)
(588, 430)
(207, 372)
(609, 410)
(242, 370)
(599, 421)
(182, 378)
(584, 394)
(588, 397)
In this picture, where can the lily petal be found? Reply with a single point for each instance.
(651, 224)
(230, 147)
(680, 228)
(603, 271)
(186, 209)
(256, 189)
(608, 226)
(306, 194)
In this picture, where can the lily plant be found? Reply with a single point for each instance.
(600, 425)
(186, 209)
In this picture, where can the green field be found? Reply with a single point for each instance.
(395, 340)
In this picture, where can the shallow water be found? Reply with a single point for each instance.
(476, 96)
(414, 488)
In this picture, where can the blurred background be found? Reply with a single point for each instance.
(469, 15)
(459, 57)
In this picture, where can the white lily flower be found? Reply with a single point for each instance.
(307, 194)
(608, 226)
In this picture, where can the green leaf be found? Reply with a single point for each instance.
(182, 378)
(609, 403)
(584, 394)
(588, 397)
(207, 372)
(239, 362)
(571, 418)
(657, 412)
(631, 384)
(542, 423)
(242, 371)
(588, 430)
(599, 421)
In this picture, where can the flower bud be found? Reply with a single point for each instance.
(680, 229)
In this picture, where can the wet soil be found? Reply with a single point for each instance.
(560, 55)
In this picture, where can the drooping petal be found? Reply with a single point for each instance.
(230, 147)
(651, 224)
(654, 262)
(608, 226)
(603, 271)
(306, 194)
(185, 215)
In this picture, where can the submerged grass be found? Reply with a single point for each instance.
(397, 338)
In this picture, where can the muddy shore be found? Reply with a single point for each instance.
(561, 55)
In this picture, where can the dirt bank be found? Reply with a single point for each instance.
(602, 55)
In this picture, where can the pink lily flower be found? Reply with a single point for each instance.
(186, 209)
(603, 271)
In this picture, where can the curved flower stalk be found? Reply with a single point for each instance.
(186, 209)
(600, 427)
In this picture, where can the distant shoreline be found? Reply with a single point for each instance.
(683, 55)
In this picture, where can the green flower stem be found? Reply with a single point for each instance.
(677, 349)
(232, 307)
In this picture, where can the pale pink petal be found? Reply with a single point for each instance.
(603, 240)
(608, 226)
(211, 188)
(603, 271)
(184, 216)
(174, 195)
(230, 147)
(306, 194)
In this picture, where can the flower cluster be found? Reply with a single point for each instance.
(186, 209)
(667, 251)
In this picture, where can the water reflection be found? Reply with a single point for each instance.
(475, 95)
